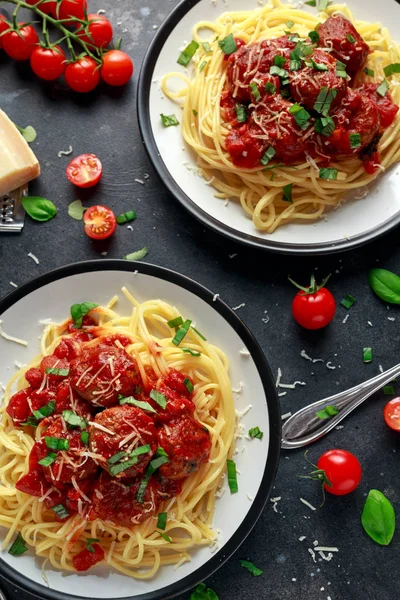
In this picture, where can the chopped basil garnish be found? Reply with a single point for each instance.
(18, 547)
(327, 173)
(348, 301)
(122, 466)
(199, 334)
(186, 56)
(369, 72)
(188, 384)
(153, 466)
(228, 44)
(60, 372)
(159, 398)
(202, 592)
(191, 352)
(90, 542)
(251, 567)
(181, 333)
(161, 452)
(279, 61)
(169, 120)
(255, 91)
(78, 311)
(325, 126)
(289, 24)
(355, 140)
(138, 255)
(202, 65)
(341, 69)
(311, 3)
(232, 476)
(73, 419)
(327, 412)
(314, 36)
(195, 113)
(206, 46)
(268, 154)
(367, 355)
(256, 432)
(295, 64)
(301, 50)
(317, 66)
(162, 520)
(126, 217)
(300, 115)
(388, 390)
(48, 460)
(45, 411)
(324, 100)
(350, 38)
(382, 88)
(165, 537)
(177, 322)
(116, 458)
(85, 438)
(241, 113)
(270, 88)
(323, 4)
(30, 422)
(60, 511)
(55, 443)
(287, 192)
(138, 403)
(274, 70)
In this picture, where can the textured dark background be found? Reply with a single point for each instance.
(105, 123)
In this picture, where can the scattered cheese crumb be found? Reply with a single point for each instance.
(139, 181)
(243, 412)
(101, 11)
(304, 354)
(239, 306)
(391, 318)
(286, 415)
(250, 497)
(282, 394)
(33, 257)
(232, 255)
(13, 284)
(244, 352)
(278, 378)
(302, 538)
(65, 152)
(215, 297)
(11, 338)
(346, 317)
(369, 323)
(275, 502)
(104, 253)
(380, 368)
(129, 227)
(329, 365)
(307, 504)
(311, 551)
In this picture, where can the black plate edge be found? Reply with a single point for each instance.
(264, 371)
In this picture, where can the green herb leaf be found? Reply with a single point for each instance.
(311, 3)
(327, 173)
(324, 100)
(195, 113)
(325, 126)
(341, 69)
(367, 355)
(28, 132)
(295, 64)
(256, 432)
(153, 466)
(138, 403)
(122, 466)
(18, 547)
(45, 411)
(188, 384)
(199, 334)
(268, 154)
(161, 452)
(60, 511)
(30, 422)
(169, 120)
(255, 91)
(327, 412)
(385, 284)
(177, 322)
(232, 476)
(382, 88)
(301, 50)
(78, 311)
(206, 47)
(279, 61)
(162, 520)
(60, 372)
(388, 390)
(85, 438)
(314, 36)
(165, 537)
(141, 450)
(39, 209)
(355, 140)
(378, 518)
(138, 255)
(317, 66)
(350, 38)
(369, 72)
(274, 70)
(55, 443)
(159, 398)
(90, 542)
(191, 352)
(289, 24)
(300, 115)
(202, 65)
(323, 4)
(116, 458)
(76, 210)
(186, 56)
(228, 44)
(348, 301)
(181, 333)
(287, 192)
(126, 217)
(202, 592)
(241, 113)
(73, 419)
(270, 88)
(251, 567)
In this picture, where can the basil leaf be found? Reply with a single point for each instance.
(90, 542)
(169, 120)
(76, 210)
(228, 44)
(251, 567)
(382, 88)
(186, 56)
(256, 432)
(327, 412)
(369, 72)
(241, 112)
(392, 68)
(270, 88)
(78, 311)
(138, 403)
(232, 476)
(39, 209)
(18, 546)
(159, 398)
(328, 173)
(378, 518)
(202, 592)
(28, 132)
(255, 91)
(138, 255)
(162, 520)
(73, 419)
(287, 192)
(268, 154)
(385, 284)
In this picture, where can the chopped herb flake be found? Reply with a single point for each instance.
(324, 100)
(60, 372)
(256, 432)
(241, 113)
(60, 511)
(45, 411)
(232, 476)
(341, 69)
(327, 173)
(279, 61)
(177, 322)
(202, 65)
(311, 3)
(255, 571)
(206, 47)
(287, 192)
(162, 520)
(138, 255)
(300, 115)
(169, 120)
(255, 91)
(367, 355)
(153, 466)
(348, 301)
(268, 154)
(295, 64)
(55, 443)
(350, 38)
(138, 403)
(123, 466)
(195, 113)
(199, 334)
(116, 458)
(323, 4)
(188, 384)
(78, 311)
(369, 72)
(389, 390)
(270, 88)
(186, 56)
(48, 460)
(73, 419)
(191, 352)
(274, 70)
(85, 438)
(18, 547)
(382, 88)
(126, 217)
(203, 593)
(159, 398)
(355, 140)
(314, 36)
(165, 537)
(181, 333)
(327, 412)
(228, 44)
(289, 24)
(325, 126)
(90, 542)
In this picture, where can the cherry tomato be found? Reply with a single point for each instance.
(391, 413)
(3, 27)
(49, 7)
(70, 9)
(342, 469)
(85, 170)
(117, 67)
(83, 75)
(313, 307)
(99, 32)
(48, 63)
(20, 46)
(100, 222)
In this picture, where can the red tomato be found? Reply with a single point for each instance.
(86, 559)
(313, 307)
(98, 33)
(48, 63)
(68, 9)
(49, 7)
(342, 469)
(3, 27)
(85, 170)
(391, 413)
(83, 75)
(100, 222)
(20, 46)
(117, 67)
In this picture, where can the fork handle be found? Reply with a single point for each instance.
(304, 427)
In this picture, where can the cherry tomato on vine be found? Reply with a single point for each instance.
(313, 307)
(98, 32)
(342, 470)
(117, 67)
(100, 222)
(70, 9)
(48, 63)
(82, 75)
(3, 27)
(84, 170)
(20, 45)
(49, 7)
(391, 413)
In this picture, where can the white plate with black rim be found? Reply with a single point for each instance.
(50, 296)
(354, 223)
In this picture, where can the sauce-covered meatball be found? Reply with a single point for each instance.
(338, 34)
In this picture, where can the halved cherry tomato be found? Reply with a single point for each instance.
(100, 222)
(85, 170)
(82, 75)
(313, 307)
(342, 469)
(20, 45)
(391, 413)
(48, 63)
(70, 9)
(98, 32)
(117, 67)
(3, 27)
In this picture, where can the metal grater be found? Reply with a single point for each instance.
(12, 214)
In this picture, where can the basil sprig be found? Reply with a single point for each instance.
(38, 208)
(385, 284)
(378, 518)
(78, 311)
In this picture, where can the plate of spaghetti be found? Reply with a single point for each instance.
(278, 125)
(140, 432)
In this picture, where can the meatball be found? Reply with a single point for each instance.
(117, 503)
(306, 84)
(179, 402)
(386, 107)
(70, 463)
(187, 444)
(129, 428)
(23, 403)
(68, 399)
(100, 373)
(346, 43)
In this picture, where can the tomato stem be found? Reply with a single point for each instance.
(313, 287)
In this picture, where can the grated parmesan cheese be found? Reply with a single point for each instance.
(15, 285)
(34, 258)
(307, 504)
(65, 152)
(11, 338)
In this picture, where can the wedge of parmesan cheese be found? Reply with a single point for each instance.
(18, 164)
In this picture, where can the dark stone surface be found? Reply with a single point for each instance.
(105, 123)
